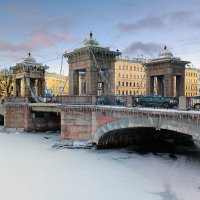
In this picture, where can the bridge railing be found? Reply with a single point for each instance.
(16, 99)
(83, 100)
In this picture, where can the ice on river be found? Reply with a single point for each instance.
(31, 170)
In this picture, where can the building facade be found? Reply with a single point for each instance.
(129, 76)
(57, 84)
(191, 81)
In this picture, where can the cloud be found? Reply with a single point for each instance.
(188, 19)
(23, 10)
(172, 19)
(24, 46)
(180, 17)
(40, 38)
(48, 37)
(147, 49)
(145, 23)
(32, 15)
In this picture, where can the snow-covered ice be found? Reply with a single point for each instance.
(31, 169)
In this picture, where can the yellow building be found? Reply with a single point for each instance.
(56, 83)
(191, 81)
(129, 77)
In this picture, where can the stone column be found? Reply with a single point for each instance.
(151, 84)
(43, 87)
(15, 88)
(147, 85)
(112, 77)
(23, 88)
(160, 85)
(40, 87)
(180, 86)
(169, 85)
(70, 88)
(82, 85)
(91, 83)
(75, 83)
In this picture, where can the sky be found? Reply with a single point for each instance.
(48, 28)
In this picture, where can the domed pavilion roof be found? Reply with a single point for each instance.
(165, 53)
(29, 59)
(91, 41)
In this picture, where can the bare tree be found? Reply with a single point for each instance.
(6, 83)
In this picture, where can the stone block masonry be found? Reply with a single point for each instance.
(14, 115)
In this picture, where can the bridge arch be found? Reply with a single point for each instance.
(149, 123)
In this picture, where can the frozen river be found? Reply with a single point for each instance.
(31, 169)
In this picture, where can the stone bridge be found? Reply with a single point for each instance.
(105, 124)
(102, 124)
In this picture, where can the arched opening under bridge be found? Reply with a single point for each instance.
(142, 136)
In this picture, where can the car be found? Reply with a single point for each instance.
(120, 100)
(100, 99)
(194, 102)
(155, 101)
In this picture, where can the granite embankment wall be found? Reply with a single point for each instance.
(20, 115)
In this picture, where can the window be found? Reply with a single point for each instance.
(123, 67)
(134, 68)
(122, 92)
(126, 75)
(126, 84)
(126, 67)
(130, 75)
(119, 83)
(122, 83)
(134, 84)
(130, 92)
(122, 75)
(119, 75)
(126, 92)
(131, 68)
(119, 92)
(119, 67)
(130, 84)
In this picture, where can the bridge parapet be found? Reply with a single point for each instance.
(16, 99)
(80, 100)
